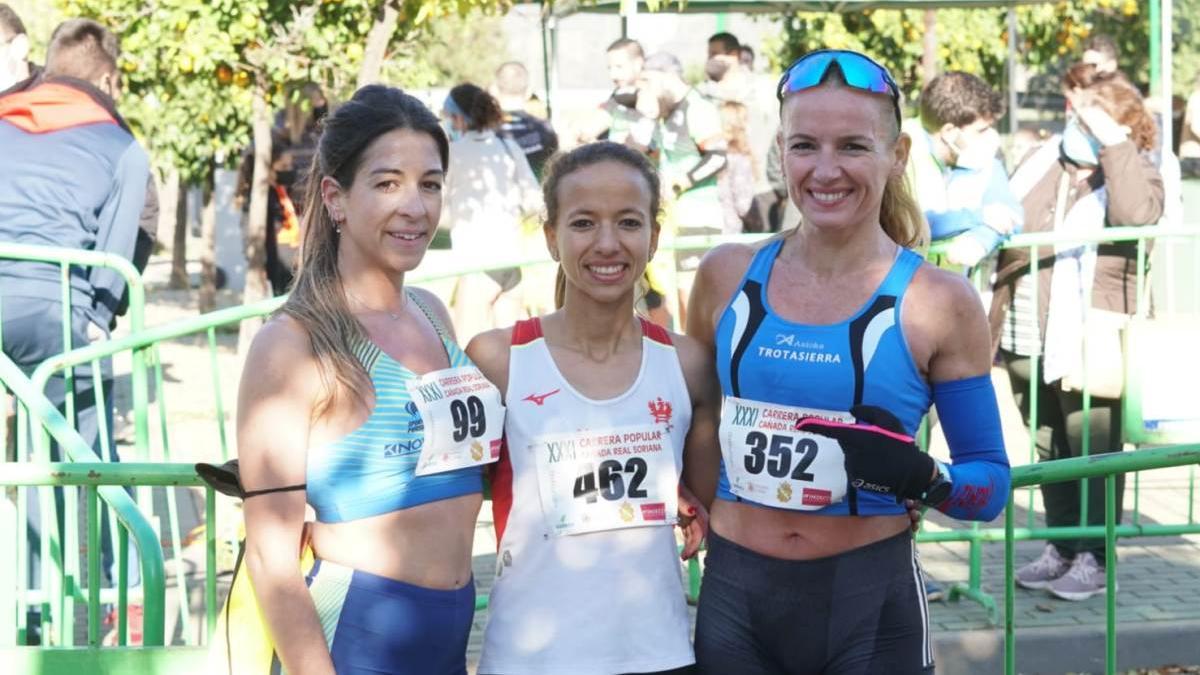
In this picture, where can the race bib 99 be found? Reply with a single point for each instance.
(463, 417)
(768, 462)
(591, 481)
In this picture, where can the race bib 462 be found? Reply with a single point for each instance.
(606, 480)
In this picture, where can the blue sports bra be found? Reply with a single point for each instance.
(371, 470)
(865, 359)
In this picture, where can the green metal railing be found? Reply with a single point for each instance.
(1039, 244)
(65, 258)
(99, 476)
(1078, 468)
(52, 541)
(129, 518)
(144, 475)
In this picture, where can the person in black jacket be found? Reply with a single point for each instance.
(536, 138)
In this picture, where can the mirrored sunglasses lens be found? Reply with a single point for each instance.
(863, 74)
(807, 73)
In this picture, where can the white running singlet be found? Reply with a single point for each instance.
(588, 575)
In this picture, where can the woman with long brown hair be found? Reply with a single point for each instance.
(831, 342)
(356, 402)
(1098, 173)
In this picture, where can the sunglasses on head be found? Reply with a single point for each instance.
(858, 71)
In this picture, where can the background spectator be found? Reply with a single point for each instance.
(959, 181)
(489, 191)
(690, 151)
(15, 69)
(80, 183)
(537, 140)
(1097, 174)
(736, 182)
(293, 146)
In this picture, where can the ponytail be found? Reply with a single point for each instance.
(900, 215)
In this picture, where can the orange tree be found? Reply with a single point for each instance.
(203, 77)
(975, 40)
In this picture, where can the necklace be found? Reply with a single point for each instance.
(395, 316)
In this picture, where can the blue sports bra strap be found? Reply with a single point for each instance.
(425, 309)
(897, 279)
(760, 266)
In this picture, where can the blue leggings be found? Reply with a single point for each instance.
(378, 626)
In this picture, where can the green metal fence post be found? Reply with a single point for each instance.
(181, 591)
(93, 587)
(216, 377)
(1034, 376)
(210, 559)
(1110, 573)
(122, 586)
(10, 585)
(1009, 591)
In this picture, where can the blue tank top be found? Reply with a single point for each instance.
(372, 470)
(865, 359)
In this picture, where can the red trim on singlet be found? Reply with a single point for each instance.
(501, 473)
(526, 331)
(501, 476)
(655, 332)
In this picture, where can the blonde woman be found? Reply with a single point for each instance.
(831, 342)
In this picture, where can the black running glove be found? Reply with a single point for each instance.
(880, 456)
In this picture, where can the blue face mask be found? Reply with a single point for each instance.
(1079, 146)
(451, 133)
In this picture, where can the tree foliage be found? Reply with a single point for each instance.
(191, 68)
(1050, 36)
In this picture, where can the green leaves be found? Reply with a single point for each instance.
(975, 40)
(190, 68)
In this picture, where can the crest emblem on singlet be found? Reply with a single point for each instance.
(627, 512)
(784, 492)
(476, 451)
(661, 411)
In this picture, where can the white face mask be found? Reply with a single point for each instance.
(12, 58)
(7, 77)
(980, 153)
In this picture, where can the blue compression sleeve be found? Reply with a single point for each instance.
(970, 419)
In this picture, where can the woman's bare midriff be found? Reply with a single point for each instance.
(427, 545)
(794, 535)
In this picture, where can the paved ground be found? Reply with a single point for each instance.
(1158, 604)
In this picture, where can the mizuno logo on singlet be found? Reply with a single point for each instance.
(540, 399)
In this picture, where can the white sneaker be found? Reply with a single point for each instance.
(1085, 579)
(1040, 572)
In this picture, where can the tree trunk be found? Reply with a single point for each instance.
(378, 39)
(177, 191)
(208, 250)
(929, 56)
(257, 288)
